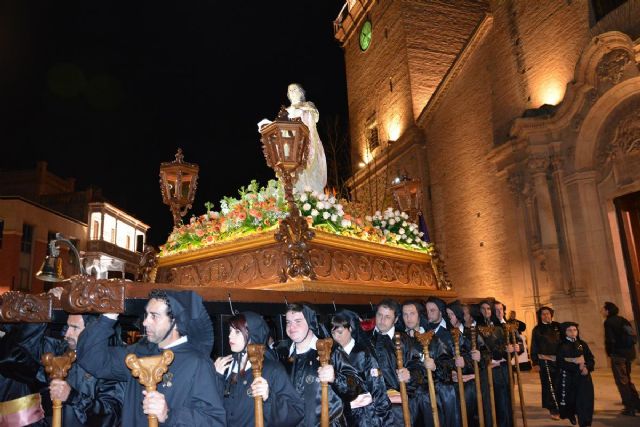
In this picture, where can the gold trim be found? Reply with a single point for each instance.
(20, 404)
(373, 248)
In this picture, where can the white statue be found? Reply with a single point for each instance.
(314, 176)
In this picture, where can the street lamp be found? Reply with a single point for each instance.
(407, 193)
(285, 143)
(51, 269)
(178, 183)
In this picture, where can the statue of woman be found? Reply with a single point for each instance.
(314, 176)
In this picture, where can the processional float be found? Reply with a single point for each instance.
(292, 263)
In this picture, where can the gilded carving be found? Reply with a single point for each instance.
(611, 66)
(18, 307)
(86, 294)
(57, 367)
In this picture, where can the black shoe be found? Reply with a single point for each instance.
(630, 412)
(572, 419)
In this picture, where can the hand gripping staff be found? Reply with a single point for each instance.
(149, 371)
(513, 328)
(324, 353)
(57, 368)
(476, 373)
(403, 387)
(256, 357)
(425, 340)
(487, 331)
(455, 333)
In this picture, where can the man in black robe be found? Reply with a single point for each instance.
(492, 331)
(442, 361)
(188, 393)
(306, 374)
(413, 372)
(544, 344)
(456, 318)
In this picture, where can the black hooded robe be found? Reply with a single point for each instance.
(544, 340)
(575, 390)
(283, 408)
(495, 341)
(189, 386)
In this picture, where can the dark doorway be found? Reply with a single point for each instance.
(628, 213)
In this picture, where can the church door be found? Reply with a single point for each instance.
(628, 212)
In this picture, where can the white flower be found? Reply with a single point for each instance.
(392, 221)
(326, 215)
(314, 212)
(401, 231)
(314, 194)
(345, 223)
(332, 200)
(383, 223)
(306, 207)
(397, 237)
(405, 215)
(339, 207)
(404, 223)
(421, 234)
(409, 240)
(368, 218)
(378, 213)
(334, 217)
(303, 197)
(322, 196)
(423, 243)
(396, 212)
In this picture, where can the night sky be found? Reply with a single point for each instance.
(106, 90)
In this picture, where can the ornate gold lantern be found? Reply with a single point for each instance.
(407, 193)
(178, 183)
(285, 143)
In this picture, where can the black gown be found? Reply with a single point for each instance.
(303, 373)
(575, 390)
(470, 394)
(91, 401)
(544, 340)
(189, 386)
(384, 351)
(378, 413)
(283, 408)
(496, 344)
(441, 350)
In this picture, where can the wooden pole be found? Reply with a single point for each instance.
(513, 327)
(324, 347)
(476, 373)
(57, 368)
(149, 371)
(487, 331)
(455, 333)
(256, 356)
(505, 329)
(406, 415)
(425, 340)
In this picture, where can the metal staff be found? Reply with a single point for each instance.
(425, 340)
(256, 356)
(455, 333)
(324, 353)
(513, 327)
(149, 371)
(57, 368)
(403, 387)
(505, 329)
(476, 373)
(486, 331)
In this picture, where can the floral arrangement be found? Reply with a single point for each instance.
(259, 209)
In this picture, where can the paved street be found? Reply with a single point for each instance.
(607, 403)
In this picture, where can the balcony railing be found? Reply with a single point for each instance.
(113, 250)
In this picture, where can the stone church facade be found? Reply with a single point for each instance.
(522, 121)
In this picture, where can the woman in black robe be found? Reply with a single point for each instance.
(575, 388)
(373, 407)
(544, 345)
(282, 406)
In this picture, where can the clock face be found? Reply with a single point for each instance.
(365, 35)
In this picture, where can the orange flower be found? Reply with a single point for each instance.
(242, 216)
(255, 213)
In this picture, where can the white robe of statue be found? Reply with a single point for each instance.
(314, 176)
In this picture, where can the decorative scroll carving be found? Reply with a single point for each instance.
(86, 294)
(18, 307)
(625, 141)
(148, 265)
(611, 66)
(149, 370)
(57, 367)
(295, 233)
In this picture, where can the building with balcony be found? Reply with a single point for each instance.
(37, 204)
